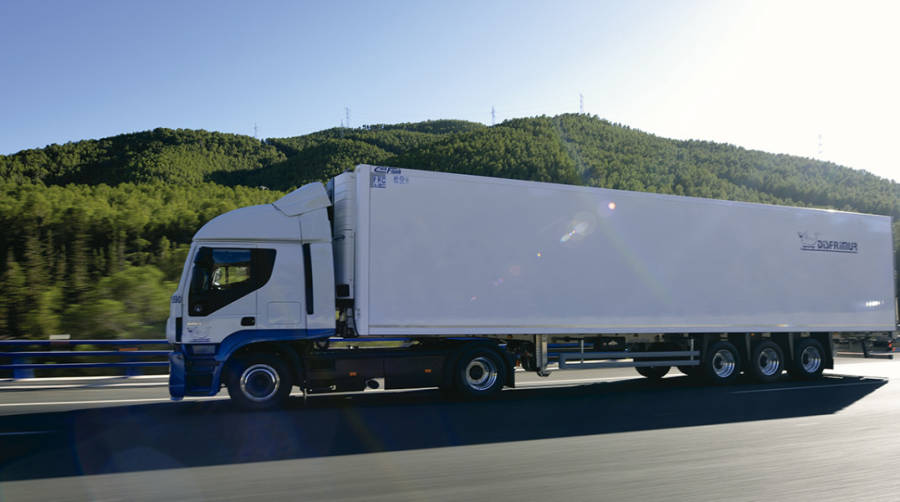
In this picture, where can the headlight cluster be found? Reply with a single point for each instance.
(202, 349)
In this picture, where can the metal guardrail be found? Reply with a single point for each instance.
(130, 349)
(127, 349)
(22, 367)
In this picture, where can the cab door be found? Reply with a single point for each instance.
(222, 293)
(282, 302)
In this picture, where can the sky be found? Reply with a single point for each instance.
(816, 79)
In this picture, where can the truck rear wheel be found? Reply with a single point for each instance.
(766, 361)
(259, 381)
(809, 360)
(653, 372)
(479, 373)
(722, 363)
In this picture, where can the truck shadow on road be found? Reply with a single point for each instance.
(191, 434)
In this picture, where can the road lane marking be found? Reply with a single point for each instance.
(109, 401)
(519, 385)
(809, 387)
(86, 378)
(146, 400)
(25, 433)
(580, 380)
(81, 386)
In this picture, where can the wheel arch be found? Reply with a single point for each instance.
(284, 350)
(826, 340)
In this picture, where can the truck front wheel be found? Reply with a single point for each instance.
(479, 373)
(259, 381)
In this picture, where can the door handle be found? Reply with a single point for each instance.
(248, 321)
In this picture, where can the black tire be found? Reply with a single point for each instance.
(721, 363)
(259, 381)
(766, 362)
(479, 373)
(691, 371)
(808, 362)
(653, 372)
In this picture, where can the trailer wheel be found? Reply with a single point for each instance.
(653, 372)
(809, 360)
(722, 363)
(259, 381)
(479, 373)
(766, 361)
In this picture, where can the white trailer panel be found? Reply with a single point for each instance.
(447, 254)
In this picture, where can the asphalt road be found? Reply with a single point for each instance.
(620, 438)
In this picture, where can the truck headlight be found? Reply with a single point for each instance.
(203, 349)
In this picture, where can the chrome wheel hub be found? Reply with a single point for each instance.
(768, 362)
(810, 359)
(481, 374)
(259, 382)
(723, 363)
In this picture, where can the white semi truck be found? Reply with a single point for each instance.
(391, 278)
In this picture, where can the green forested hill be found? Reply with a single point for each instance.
(95, 231)
(178, 156)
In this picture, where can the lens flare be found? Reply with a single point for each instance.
(579, 229)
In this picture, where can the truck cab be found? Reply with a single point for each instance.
(255, 275)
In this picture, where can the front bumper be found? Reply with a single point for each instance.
(193, 375)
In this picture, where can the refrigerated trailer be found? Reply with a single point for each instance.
(398, 278)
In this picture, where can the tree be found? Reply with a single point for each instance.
(14, 290)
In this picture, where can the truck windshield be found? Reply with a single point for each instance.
(223, 275)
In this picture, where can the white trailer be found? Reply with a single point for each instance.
(472, 275)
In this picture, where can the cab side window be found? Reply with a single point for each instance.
(223, 275)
